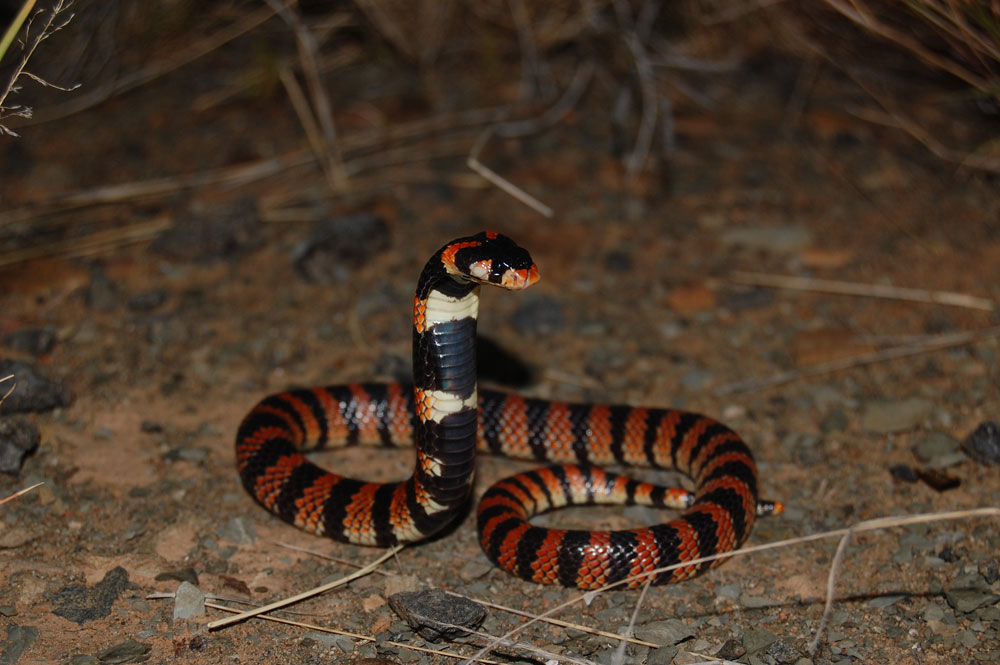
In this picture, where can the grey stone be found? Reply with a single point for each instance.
(437, 615)
(755, 639)
(239, 530)
(189, 601)
(935, 445)
(885, 416)
(969, 600)
(664, 633)
(81, 604)
(19, 638)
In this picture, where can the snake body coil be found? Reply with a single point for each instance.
(448, 419)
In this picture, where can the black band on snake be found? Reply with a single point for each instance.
(447, 418)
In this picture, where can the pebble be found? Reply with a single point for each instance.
(664, 633)
(189, 601)
(36, 341)
(337, 248)
(18, 437)
(19, 638)
(34, 392)
(437, 615)
(885, 416)
(969, 600)
(776, 239)
(755, 639)
(209, 233)
(983, 443)
(938, 449)
(662, 656)
(239, 530)
(781, 652)
(539, 314)
(80, 604)
(130, 651)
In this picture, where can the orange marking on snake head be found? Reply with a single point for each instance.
(449, 252)
(515, 280)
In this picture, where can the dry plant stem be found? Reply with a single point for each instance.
(14, 28)
(304, 113)
(857, 12)
(332, 158)
(230, 176)
(12, 386)
(935, 343)
(921, 135)
(555, 622)
(636, 160)
(831, 585)
(501, 182)
(860, 527)
(860, 289)
(306, 594)
(133, 80)
(50, 28)
(95, 243)
(19, 492)
(551, 116)
(324, 629)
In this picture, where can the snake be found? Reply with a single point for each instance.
(448, 419)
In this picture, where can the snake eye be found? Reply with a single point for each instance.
(481, 269)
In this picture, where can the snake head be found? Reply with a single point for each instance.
(490, 258)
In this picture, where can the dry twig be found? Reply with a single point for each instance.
(926, 345)
(322, 111)
(19, 492)
(53, 24)
(861, 289)
(220, 623)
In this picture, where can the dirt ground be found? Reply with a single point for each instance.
(167, 343)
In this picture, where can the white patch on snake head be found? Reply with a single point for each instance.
(481, 269)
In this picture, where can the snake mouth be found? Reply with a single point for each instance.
(516, 280)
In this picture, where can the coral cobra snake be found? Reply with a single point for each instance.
(448, 419)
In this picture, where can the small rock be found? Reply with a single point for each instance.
(903, 472)
(777, 239)
(885, 416)
(36, 341)
(149, 300)
(969, 600)
(983, 444)
(539, 314)
(18, 437)
(934, 447)
(183, 575)
(33, 391)
(755, 639)
(731, 650)
(336, 248)
(663, 655)
(664, 633)
(475, 568)
(80, 604)
(437, 615)
(19, 638)
(239, 530)
(782, 653)
(130, 651)
(211, 233)
(189, 601)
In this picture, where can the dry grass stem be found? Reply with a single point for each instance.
(501, 182)
(633, 33)
(10, 390)
(304, 113)
(555, 622)
(831, 586)
(331, 157)
(20, 491)
(858, 12)
(229, 176)
(861, 527)
(89, 245)
(306, 594)
(53, 24)
(566, 103)
(198, 49)
(859, 289)
(925, 345)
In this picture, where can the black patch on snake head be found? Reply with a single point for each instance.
(494, 252)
